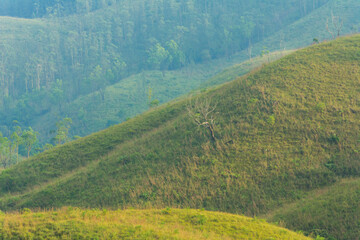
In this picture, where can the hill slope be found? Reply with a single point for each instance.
(333, 212)
(288, 128)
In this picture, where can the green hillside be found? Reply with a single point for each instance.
(333, 212)
(73, 223)
(290, 127)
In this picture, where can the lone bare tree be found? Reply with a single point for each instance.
(336, 26)
(201, 111)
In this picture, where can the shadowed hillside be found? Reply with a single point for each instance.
(333, 212)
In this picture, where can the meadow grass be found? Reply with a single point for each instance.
(75, 223)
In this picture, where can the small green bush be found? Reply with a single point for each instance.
(320, 107)
(271, 120)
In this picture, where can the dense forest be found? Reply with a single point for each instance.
(43, 8)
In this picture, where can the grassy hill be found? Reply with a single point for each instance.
(288, 128)
(333, 212)
(74, 223)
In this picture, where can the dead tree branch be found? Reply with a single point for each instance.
(336, 27)
(201, 111)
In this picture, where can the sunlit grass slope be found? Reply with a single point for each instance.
(288, 128)
(73, 223)
(333, 213)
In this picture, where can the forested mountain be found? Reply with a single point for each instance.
(249, 146)
(48, 62)
(337, 15)
(44, 8)
(131, 36)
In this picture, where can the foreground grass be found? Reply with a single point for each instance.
(74, 223)
(333, 212)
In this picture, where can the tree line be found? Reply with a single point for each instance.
(20, 143)
(43, 8)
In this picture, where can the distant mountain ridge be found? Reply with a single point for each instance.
(44, 8)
